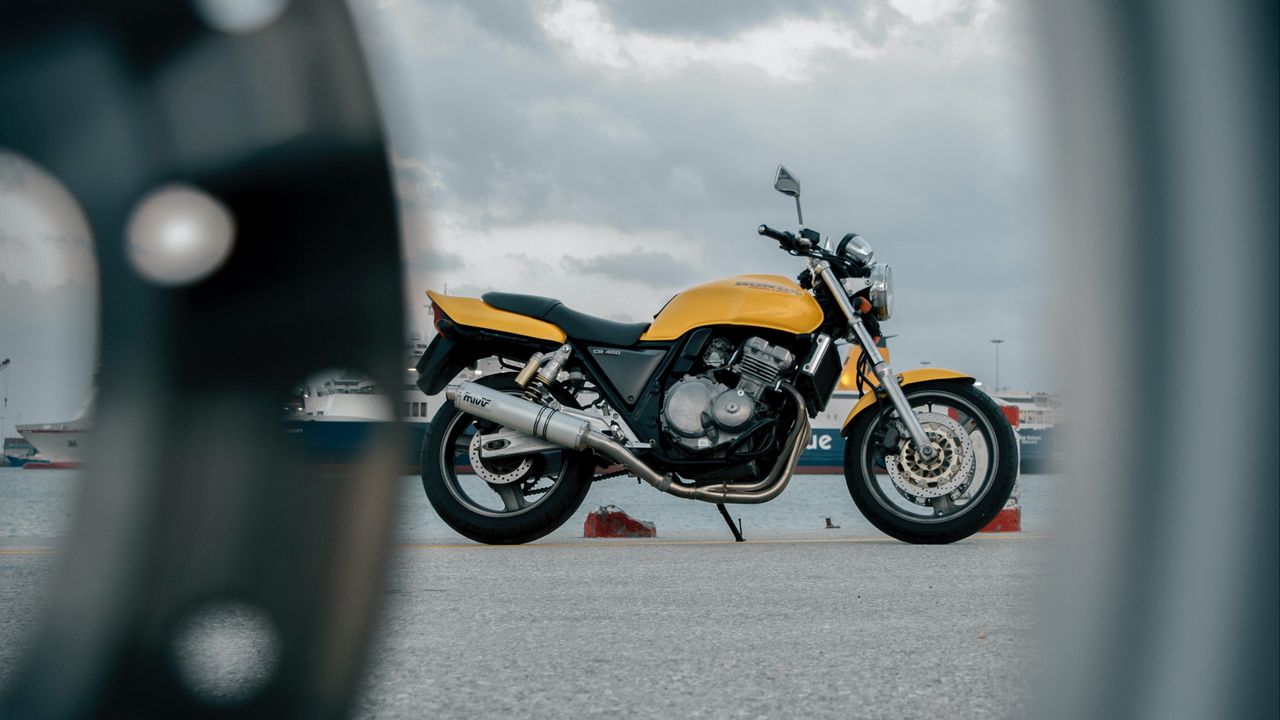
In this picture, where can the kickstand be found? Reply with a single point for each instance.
(737, 534)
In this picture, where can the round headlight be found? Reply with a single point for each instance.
(854, 248)
(882, 290)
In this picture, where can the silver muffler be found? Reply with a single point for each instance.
(576, 433)
(517, 413)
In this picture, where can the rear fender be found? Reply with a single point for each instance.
(475, 313)
(471, 330)
(907, 378)
(442, 361)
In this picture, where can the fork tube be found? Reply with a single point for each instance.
(882, 370)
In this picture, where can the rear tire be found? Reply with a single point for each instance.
(462, 504)
(939, 519)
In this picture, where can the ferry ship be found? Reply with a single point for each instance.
(1040, 429)
(62, 444)
(331, 413)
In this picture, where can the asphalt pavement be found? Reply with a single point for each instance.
(787, 626)
(820, 624)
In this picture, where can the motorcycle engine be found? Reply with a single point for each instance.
(701, 413)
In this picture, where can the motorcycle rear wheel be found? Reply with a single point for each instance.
(912, 502)
(498, 513)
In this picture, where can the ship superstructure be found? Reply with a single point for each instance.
(1040, 429)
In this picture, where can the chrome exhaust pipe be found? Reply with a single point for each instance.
(783, 468)
(517, 413)
(576, 433)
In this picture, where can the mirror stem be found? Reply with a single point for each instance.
(799, 214)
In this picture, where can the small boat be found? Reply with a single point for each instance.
(17, 451)
(23, 460)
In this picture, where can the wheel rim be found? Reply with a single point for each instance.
(506, 499)
(942, 498)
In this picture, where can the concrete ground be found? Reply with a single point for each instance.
(816, 625)
(788, 626)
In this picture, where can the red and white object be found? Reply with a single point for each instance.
(1009, 519)
(610, 521)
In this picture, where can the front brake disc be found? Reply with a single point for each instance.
(949, 469)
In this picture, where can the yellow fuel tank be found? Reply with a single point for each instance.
(766, 301)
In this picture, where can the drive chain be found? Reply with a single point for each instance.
(526, 490)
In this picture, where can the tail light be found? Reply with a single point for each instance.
(438, 317)
(441, 321)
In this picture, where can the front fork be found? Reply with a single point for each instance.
(882, 370)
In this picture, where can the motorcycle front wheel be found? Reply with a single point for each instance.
(941, 499)
(505, 501)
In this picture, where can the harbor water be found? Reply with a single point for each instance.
(40, 504)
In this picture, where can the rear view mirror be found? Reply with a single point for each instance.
(786, 183)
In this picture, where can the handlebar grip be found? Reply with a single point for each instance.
(780, 235)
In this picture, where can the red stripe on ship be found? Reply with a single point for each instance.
(37, 465)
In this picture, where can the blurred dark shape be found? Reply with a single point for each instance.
(193, 498)
(1165, 600)
(1166, 118)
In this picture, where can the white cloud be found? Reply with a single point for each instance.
(545, 114)
(784, 51)
(532, 258)
(425, 28)
(926, 11)
(572, 155)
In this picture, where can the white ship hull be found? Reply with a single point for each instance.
(61, 444)
(64, 444)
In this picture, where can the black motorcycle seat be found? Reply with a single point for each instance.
(577, 325)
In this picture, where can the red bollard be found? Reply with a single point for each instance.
(611, 522)
(1009, 519)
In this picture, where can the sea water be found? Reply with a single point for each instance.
(39, 505)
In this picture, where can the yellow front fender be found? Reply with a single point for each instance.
(910, 377)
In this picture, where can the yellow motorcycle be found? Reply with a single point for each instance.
(711, 401)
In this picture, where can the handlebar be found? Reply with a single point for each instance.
(782, 236)
(807, 245)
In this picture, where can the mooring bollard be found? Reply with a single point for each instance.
(610, 521)
(1009, 519)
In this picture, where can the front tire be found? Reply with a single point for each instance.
(543, 497)
(933, 502)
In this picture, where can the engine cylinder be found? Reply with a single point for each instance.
(699, 413)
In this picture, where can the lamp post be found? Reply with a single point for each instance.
(997, 344)
(4, 412)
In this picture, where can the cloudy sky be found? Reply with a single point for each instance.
(611, 153)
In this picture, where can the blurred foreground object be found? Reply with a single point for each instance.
(229, 159)
(1166, 594)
